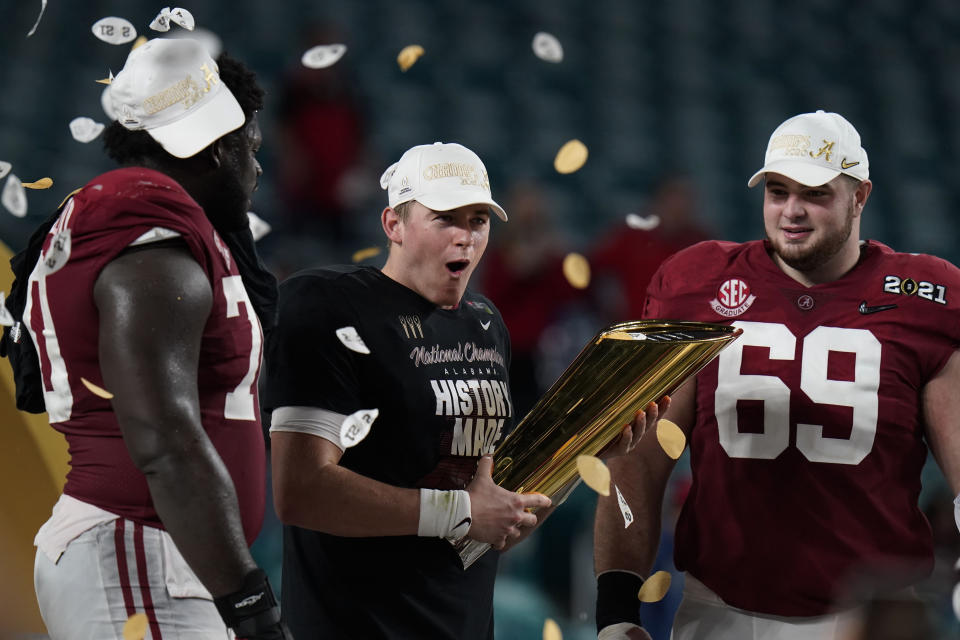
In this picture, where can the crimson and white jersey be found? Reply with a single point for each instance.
(95, 226)
(809, 436)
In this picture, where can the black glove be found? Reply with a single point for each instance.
(617, 598)
(252, 611)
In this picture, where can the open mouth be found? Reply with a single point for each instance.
(456, 267)
(794, 233)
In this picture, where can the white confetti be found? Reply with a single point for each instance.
(323, 56)
(6, 318)
(114, 30)
(356, 427)
(352, 340)
(183, 18)
(14, 196)
(258, 226)
(4, 168)
(956, 501)
(547, 47)
(43, 7)
(643, 223)
(162, 22)
(178, 16)
(624, 508)
(85, 129)
(59, 250)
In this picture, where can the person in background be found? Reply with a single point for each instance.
(626, 257)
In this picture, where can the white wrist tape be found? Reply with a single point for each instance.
(444, 514)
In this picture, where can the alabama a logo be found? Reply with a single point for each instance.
(733, 298)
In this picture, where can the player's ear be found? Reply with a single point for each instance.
(392, 225)
(217, 153)
(861, 194)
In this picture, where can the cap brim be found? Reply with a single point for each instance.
(449, 201)
(805, 173)
(188, 136)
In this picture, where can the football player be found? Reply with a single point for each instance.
(149, 351)
(808, 434)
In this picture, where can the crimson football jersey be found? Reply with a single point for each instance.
(95, 226)
(809, 436)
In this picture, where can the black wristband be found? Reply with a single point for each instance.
(252, 610)
(617, 599)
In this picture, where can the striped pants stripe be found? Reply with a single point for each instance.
(107, 574)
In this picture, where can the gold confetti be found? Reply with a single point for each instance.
(139, 42)
(551, 630)
(70, 195)
(42, 183)
(97, 391)
(594, 473)
(571, 157)
(409, 55)
(655, 587)
(364, 254)
(135, 628)
(577, 270)
(671, 438)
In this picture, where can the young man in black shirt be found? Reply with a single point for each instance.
(389, 390)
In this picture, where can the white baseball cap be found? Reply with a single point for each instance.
(813, 149)
(171, 88)
(440, 176)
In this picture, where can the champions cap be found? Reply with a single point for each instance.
(171, 89)
(440, 177)
(813, 149)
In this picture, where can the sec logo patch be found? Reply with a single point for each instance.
(733, 298)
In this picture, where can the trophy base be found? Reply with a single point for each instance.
(469, 550)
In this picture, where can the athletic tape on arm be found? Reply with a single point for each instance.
(444, 514)
(311, 420)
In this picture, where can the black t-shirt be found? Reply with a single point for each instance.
(438, 379)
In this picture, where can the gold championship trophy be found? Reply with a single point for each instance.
(619, 372)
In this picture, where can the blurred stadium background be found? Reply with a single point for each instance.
(654, 89)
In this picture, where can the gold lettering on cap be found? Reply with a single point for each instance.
(824, 151)
(468, 174)
(210, 77)
(792, 144)
(186, 91)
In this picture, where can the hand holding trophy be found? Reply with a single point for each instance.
(620, 371)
